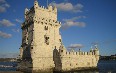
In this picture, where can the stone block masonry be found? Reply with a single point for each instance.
(42, 48)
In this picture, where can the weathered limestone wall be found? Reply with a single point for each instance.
(75, 60)
(42, 53)
(50, 12)
(45, 38)
(42, 48)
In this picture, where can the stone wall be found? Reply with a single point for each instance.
(42, 46)
(75, 60)
(45, 37)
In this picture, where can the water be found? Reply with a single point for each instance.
(107, 66)
(8, 66)
(103, 66)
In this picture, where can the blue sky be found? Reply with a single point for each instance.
(84, 22)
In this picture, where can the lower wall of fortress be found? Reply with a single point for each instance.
(73, 61)
(65, 61)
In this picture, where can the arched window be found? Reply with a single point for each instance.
(46, 40)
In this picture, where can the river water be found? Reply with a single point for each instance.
(103, 67)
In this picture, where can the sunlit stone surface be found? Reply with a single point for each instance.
(42, 48)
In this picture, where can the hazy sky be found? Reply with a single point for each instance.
(84, 22)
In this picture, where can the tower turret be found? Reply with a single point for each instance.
(55, 9)
(36, 4)
(50, 8)
(91, 49)
(96, 52)
(26, 11)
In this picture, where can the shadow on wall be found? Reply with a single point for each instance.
(26, 53)
(57, 60)
(26, 65)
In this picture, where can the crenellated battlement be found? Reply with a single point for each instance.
(79, 53)
(47, 9)
(49, 12)
(64, 52)
(41, 14)
(73, 59)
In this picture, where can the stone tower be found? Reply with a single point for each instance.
(40, 36)
(42, 48)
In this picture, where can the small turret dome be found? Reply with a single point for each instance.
(26, 10)
(55, 9)
(50, 8)
(36, 4)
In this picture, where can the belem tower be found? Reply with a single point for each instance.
(42, 48)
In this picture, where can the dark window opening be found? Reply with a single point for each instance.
(61, 50)
(31, 47)
(60, 40)
(43, 19)
(47, 40)
(66, 52)
(46, 27)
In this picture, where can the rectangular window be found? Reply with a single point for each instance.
(46, 27)
(60, 40)
(31, 47)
